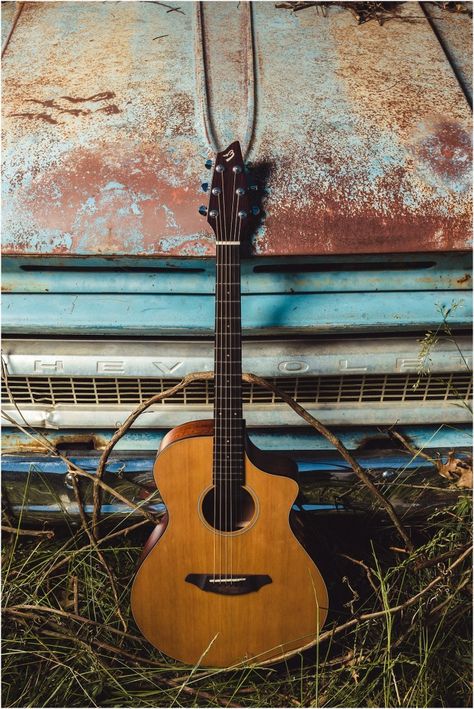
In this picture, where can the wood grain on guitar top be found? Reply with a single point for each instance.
(212, 629)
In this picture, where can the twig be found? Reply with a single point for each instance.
(31, 611)
(253, 379)
(133, 658)
(75, 590)
(40, 438)
(446, 555)
(368, 571)
(395, 609)
(97, 497)
(84, 474)
(411, 449)
(48, 533)
(66, 560)
(93, 542)
(337, 443)
(178, 682)
(104, 646)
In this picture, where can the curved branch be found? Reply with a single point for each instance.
(253, 379)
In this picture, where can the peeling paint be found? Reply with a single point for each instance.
(362, 134)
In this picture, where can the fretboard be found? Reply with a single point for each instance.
(228, 423)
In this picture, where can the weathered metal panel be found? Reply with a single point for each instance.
(362, 133)
(305, 313)
(38, 487)
(267, 358)
(288, 438)
(454, 30)
(382, 414)
(9, 11)
(265, 275)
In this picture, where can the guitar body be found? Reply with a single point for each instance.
(252, 595)
(223, 580)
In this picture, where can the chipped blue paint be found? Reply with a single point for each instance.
(114, 186)
(184, 275)
(129, 465)
(45, 477)
(262, 314)
(289, 438)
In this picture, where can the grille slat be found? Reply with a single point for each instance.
(368, 389)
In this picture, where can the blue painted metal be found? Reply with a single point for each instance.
(442, 271)
(37, 487)
(12, 464)
(105, 147)
(283, 439)
(96, 314)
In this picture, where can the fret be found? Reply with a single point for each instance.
(228, 461)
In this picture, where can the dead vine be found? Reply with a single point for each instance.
(252, 379)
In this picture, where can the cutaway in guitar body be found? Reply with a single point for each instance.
(213, 629)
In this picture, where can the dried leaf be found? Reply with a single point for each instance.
(457, 470)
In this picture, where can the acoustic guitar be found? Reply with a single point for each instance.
(223, 580)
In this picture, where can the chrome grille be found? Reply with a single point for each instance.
(369, 389)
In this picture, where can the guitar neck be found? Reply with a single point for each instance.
(228, 421)
(228, 214)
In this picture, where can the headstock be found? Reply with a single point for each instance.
(229, 211)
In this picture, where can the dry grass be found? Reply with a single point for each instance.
(64, 644)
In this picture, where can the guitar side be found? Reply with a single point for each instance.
(208, 627)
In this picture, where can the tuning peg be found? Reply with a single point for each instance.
(205, 186)
(202, 210)
(208, 164)
(255, 210)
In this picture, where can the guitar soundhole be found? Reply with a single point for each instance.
(228, 509)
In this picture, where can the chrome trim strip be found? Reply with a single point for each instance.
(274, 415)
(266, 358)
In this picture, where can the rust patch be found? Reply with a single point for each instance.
(464, 279)
(14, 444)
(102, 96)
(115, 202)
(447, 150)
(42, 116)
(54, 104)
(76, 111)
(368, 169)
(109, 110)
(50, 103)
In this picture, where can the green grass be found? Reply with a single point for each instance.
(419, 657)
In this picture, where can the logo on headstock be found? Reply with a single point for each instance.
(228, 155)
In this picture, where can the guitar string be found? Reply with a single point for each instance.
(227, 336)
(220, 225)
(231, 351)
(216, 413)
(234, 343)
(224, 382)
